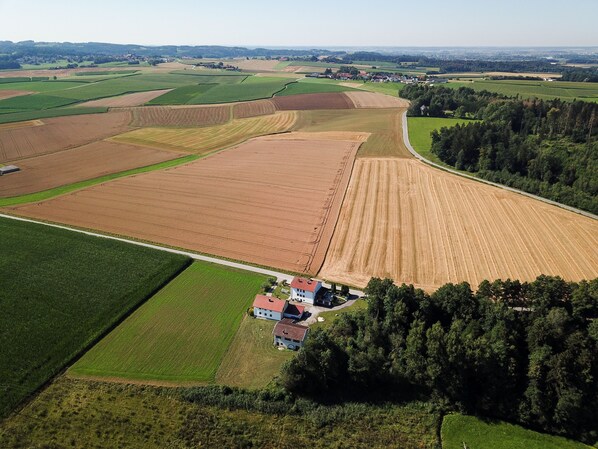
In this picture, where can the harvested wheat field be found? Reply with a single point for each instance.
(251, 203)
(127, 100)
(416, 224)
(17, 125)
(204, 140)
(4, 94)
(78, 164)
(60, 133)
(371, 100)
(178, 116)
(253, 109)
(254, 65)
(301, 102)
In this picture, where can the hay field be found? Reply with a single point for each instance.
(180, 116)
(127, 100)
(256, 202)
(204, 140)
(303, 102)
(181, 334)
(60, 133)
(78, 164)
(253, 109)
(416, 224)
(369, 100)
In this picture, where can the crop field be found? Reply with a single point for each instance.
(252, 88)
(180, 116)
(304, 102)
(254, 338)
(179, 335)
(306, 87)
(459, 431)
(60, 134)
(206, 139)
(253, 109)
(234, 204)
(62, 290)
(78, 164)
(369, 100)
(416, 224)
(4, 94)
(183, 95)
(127, 100)
(386, 139)
(540, 89)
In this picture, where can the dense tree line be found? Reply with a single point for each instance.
(581, 75)
(549, 148)
(523, 352)
(7, 62)
(437, 101)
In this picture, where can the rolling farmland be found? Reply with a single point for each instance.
(127, 100)
(234, 204)
(61, 291)
(204, 140)
(181, 334)
(373, 100)
(416, 224)
(180, 116)
(337, 100)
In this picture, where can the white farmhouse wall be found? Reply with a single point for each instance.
(267, 314)
(298, 294)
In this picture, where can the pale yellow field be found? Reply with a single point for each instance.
(206, 139)
(405, 220)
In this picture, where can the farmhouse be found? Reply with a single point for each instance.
(305, 290)
(271, 308)
(289, 334)
(8, 169)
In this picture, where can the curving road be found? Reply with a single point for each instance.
(501, 186)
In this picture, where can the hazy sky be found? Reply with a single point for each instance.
(305, 22)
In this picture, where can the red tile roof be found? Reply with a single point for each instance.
(269, 303)
(289, 330)
(295, 310)
(308, 285)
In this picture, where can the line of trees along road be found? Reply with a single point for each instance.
(545, 147)
(522, 352)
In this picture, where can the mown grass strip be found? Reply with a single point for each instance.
(46, 194)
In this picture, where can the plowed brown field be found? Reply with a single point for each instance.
(78, 164)
(4, 94)
(60, 133)
(127, 100)
(301, 102)
(253, 109)
(180, 116)
(416, 224)
(372, 100)
(267, 202)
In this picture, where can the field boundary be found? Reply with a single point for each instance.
(474, 178)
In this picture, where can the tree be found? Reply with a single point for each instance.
(344, 290)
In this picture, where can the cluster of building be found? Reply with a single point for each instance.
(288, 333)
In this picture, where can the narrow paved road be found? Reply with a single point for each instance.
(501, 186)
(227, 263)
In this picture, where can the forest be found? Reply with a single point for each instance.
(521, 352)
(545, 147)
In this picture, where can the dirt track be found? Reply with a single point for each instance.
(78, 164)
(59, 134)
(415, 224)
(268, 202)
(125, 101)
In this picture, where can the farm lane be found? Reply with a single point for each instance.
(280, 276)
(501, 186)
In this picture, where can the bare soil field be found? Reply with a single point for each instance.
(60, 133)
(372, 100)
(253, 109)
(206, 139)
(180, 116)
(127, 100)
(416, 224)
(78, 164)
(18, 125)
(256, 202)
(336, 100)
(4, 94)
(255, 65)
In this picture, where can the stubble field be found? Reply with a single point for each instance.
(416, 224)
(269, 202)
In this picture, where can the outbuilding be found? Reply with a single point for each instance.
(289, 334)
(8, 169)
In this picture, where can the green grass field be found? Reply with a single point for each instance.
(540, 89)
(252, 361)
(420, 129)
(181, 334)
(19, 116)
(459, 431)
(306, 87)
(61, 291)
(330, 317)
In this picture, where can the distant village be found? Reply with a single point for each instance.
(376, 77)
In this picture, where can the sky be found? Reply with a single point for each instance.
(306, 23)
